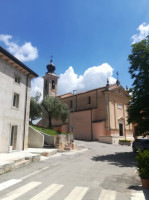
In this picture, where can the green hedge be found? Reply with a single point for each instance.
(125, 140)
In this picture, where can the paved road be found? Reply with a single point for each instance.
(98, 172)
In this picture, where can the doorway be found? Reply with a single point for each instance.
(120, 129)
(13, 139)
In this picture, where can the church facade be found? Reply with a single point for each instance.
(98, 114)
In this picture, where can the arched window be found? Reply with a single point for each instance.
(53, 84)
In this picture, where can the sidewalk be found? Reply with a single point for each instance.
(13, 160)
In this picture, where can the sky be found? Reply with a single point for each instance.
(90, 40)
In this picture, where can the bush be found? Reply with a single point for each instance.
(125, 140)
(143, 164)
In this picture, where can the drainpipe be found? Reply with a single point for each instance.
(91, 127)
(26, 94)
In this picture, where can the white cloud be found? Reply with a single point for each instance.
(93, 77)
(37, 86)
(26, 52)
(143, 33)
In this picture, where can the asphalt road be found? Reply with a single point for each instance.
(98, 172)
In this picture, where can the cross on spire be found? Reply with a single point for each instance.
(51, 59)
(117, 75)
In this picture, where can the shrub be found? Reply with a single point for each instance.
(125, 140)
(143, 164)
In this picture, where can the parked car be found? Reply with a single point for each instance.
(140, 144)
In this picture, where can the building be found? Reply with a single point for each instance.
(15, 82)
(98, 114)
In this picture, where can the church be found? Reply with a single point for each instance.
(98, 114)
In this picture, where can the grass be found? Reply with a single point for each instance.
(47, 130)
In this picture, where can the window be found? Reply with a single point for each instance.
(71, 103)
(119, 106)
(89, 100)
(16, 100)
(53, 84)
(17, 79)
(13, 140)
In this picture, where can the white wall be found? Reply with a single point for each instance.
(36, 139)
(8, 115)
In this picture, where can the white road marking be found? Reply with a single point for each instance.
(38, 171)
(107, 195)
(20, 191)
(137, 195)
(77, 193)
(9, 183)
(48, 192)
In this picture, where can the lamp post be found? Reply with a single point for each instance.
(73, 117)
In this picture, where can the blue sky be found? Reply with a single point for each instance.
(77, 33)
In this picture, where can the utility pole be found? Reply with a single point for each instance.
(73, 117)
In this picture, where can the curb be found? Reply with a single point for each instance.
(8, 166)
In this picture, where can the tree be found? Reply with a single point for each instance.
(35, 107)
(55, 109)
(138, 109)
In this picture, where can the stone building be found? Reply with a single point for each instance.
(15, 82)
(98, 114)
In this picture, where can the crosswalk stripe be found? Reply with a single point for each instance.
(107, 194)
(20, 191)
(137, 196)
(48, 192)
(9, 183)
(77, 193)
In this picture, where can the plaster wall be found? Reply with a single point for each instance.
(118, 114)
(82, 125)
(83, 100)
(9, 115)
(36, 139)
(99, 113)
(98, 130)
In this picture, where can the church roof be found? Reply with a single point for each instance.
(112, 87)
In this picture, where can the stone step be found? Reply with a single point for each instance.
(67, 148)
(48, 146)
(33, 158)
(48, 154)
(19, 159)
(22, 163)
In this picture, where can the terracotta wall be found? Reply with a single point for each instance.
(82, 125)
(83, 100)
(98, 130)
(99, 113)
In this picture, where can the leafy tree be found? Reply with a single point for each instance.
(55, 109)
(35, 107)
(138, 109)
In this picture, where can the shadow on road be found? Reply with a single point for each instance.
(122, 159)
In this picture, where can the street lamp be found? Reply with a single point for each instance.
(73, 118)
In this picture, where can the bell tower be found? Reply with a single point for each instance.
(50, 81)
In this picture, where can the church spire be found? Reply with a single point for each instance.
(51, 67)
(107, 85)
(117, 82)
